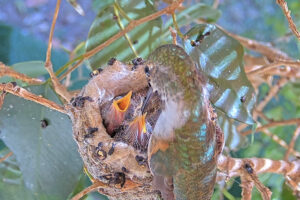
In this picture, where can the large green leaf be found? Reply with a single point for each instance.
(143, 37)
(47, 157)
(12, 185)
(233, 139)
(220, 58)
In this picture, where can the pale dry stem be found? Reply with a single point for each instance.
(287, 13)
(8, 71)
(173, 34)
(20, 92)
(97, 184)
(273, 124)
(273, 91)
(280, 142)
(60, 89)
(71, 69)
(265, 49)
(292, 143)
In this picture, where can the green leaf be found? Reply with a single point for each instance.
(199, 11)
(220, 58)
(31, 68)
(233, 139)
(47, 157)
(287, 192)
(143, 36)
(17, 47)
(12, 185)
(99, 5)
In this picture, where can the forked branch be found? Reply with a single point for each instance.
(60, 89)
(250, 167)
(20, 92)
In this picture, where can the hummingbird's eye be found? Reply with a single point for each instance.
(147, 70)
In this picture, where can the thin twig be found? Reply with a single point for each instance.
(71, 69)
(97, 184)
(261, 47)
(59, 88)
(287, 13)
(48, 54)
(20, 92)
(262, 115)
(173, 34)
(116, 11)
(273, 124)
(280, 142)
(2, 97)
(273, 91)
(176, 26)
(278, 62)
(122, 12)
(8, 71)
(264, 68)
(292, 143)
(6, 156)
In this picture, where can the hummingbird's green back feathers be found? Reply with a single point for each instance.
(183, 142)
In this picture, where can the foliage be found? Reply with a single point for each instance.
(46, 164)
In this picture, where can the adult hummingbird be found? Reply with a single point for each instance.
(183, 150)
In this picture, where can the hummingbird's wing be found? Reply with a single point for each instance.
(159, 160)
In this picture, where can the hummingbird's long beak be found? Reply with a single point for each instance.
(146, 101)
(117, 112)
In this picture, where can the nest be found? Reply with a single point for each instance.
(109, 156)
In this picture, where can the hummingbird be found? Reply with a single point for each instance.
(182, 151)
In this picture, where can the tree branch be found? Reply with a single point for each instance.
(7, 71)
(273, 124)
(60, 89)
(20, 92)
(287, 14)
